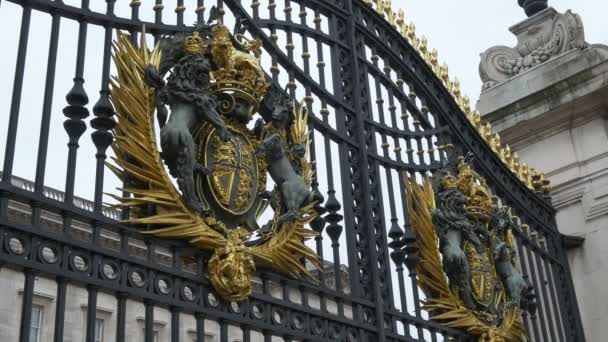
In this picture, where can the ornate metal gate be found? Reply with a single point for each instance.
(379, 112)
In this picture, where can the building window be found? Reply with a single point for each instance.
(36, 323)
(99, 326)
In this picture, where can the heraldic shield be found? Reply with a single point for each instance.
(230, 189)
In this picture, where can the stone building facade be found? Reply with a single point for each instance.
(548, 99)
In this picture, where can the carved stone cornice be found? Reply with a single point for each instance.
(540, 38)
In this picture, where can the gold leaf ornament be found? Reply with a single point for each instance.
(442, 303)
(231, 264)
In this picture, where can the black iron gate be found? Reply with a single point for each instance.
(378, 113)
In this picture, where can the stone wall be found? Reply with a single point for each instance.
(554, 115)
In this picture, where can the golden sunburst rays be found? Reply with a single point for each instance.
(279, 251)
(441, 303)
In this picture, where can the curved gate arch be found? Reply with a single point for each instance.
(378, 112)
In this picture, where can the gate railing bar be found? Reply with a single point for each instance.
(135, 4)
(91, 313)
(47, 105)
(545, 294)
(310, 32)
(26, 307)
(121, 314)
(377, 252)
(200, 10)
(385, 80)
(83, 13)
(548, 268)
(200, 326)
(13, 121)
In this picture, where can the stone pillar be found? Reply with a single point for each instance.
(548, 99)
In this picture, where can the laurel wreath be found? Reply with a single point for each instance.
(138, 160)
(441, 303)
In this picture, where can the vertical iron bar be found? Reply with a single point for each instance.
(200, 10)
(246, 333)
(532, 272)
(175, 312)
(13, 121)
(135, 4)
(75, 112)
(223, 331)
(556, 309)
(149, 320)
(121, 316)
(26, 306)
(103, 110)
(524, 271)
(180, 12)
(62, 284)
(91, 313)
(255, 9)
(274, 69)
(544, 294)
(380, 284)
(158, 17)
(291, 85)
(200, 327)
(47, 105)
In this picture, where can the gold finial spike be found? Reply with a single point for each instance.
(435, 60)
(388, 10)
(456, 89)
(488, 128)
(411, 35)
(495, 143)
(466, 105)
(380, 7)
(476, 119)
(515, 162)
(444, 73)
(487, 132)
(497, 148)
(400, 20)
(523, 172)
(423, 48)
(402, 26)
(503, 155)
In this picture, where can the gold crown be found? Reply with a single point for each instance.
(238, 73)
(194, 44)
(479, 201)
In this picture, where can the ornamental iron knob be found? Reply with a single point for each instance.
(532, 7)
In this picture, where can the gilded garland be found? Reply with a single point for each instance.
(468, 268)
(215, 85)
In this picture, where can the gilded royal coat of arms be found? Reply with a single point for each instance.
(468, 269)
(205, 88)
